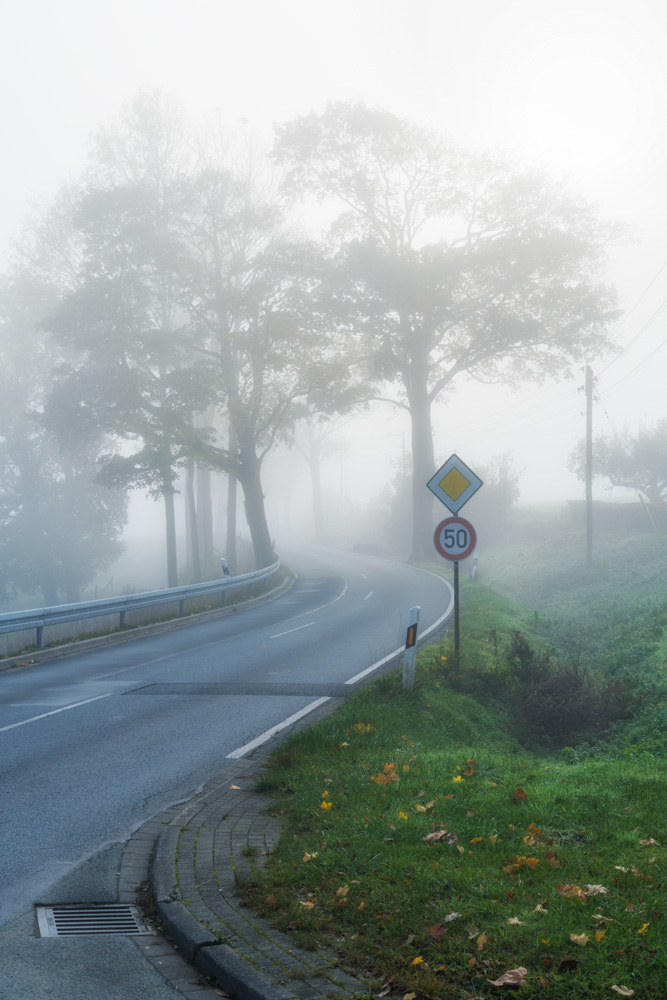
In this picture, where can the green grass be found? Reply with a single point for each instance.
(526, 840)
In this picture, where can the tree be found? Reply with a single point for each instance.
(636, 462)
(447, 264)
(58, 526)
(251, 292)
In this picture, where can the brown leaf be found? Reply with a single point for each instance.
(481, 940)
(581, 939)
(435, 836)
(649, 843)
(595, 890)
(514, 977)
(519, 795)
(568, 964)
(437, 932)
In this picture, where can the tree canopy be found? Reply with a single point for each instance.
(631, 461)
(448, 263)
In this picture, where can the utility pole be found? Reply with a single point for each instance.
(589, 465)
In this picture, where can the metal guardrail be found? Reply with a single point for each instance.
(18, 621)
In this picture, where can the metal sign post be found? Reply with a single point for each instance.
(455, 538)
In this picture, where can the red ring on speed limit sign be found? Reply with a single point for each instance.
(455, 538)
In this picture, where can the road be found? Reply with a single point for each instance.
(94, 744)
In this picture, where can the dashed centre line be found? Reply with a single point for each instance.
(297, 629)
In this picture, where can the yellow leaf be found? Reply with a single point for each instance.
(402, 815)
(307, 905)
(581, 939)
(461, 850)
(540, 909)
(477, 840)
(493, 837)
(326, 805)
(409, 996)
(457, 778)
(599, 935)
(417, 961)
(481, 941)
(643, 928)
(309, 857)
(343, 891)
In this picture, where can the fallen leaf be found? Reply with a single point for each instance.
(623, 991)
(343, 891)
(460, 849)
(581, 939)
(237, 788)
(643, 928)
(437, 932)
(649, 843)
(435, 836)
(417, 961)
(570, 891)
(477, 840)
(514, 977)
(540, 909)
(306, 905)
(598, 935)
(514, 920)
(451, 916)
(409, 996)
(620, 868)
(568, 964)
(493, 837)
(309, 857)
(472, 933)
(481, 941)
(595, 890)
(519, 795)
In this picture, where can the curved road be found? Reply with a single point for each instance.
(94, 744)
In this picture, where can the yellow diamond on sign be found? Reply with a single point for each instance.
(454, 484)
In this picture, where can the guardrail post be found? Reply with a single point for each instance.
(410, 649)
(123, 617)
(181, 607)
(40, 637)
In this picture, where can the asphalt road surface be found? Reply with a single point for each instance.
(93, 744)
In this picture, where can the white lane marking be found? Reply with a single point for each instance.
(313, 611)
(235, 754)
(45, 715)
(397, 652)
(369, 594)
(297, 629)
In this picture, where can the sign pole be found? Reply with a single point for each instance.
(456, 613)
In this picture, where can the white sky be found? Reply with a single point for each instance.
(579, 87)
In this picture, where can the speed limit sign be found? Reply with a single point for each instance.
(455, 538)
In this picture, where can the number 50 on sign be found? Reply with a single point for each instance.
(455, 538)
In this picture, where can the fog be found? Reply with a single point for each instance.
(576, 88)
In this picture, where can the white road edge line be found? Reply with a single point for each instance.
(247, 747)
(369, 594)
(45, 715)
(297, 629)
(235, 754)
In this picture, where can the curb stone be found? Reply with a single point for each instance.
(198, 858)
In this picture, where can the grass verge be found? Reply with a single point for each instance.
(435, 852)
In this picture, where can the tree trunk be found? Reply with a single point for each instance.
(255, 513)
(423, 464)
(205, 514)
(230, 546)
(191, 516)
(170, 526)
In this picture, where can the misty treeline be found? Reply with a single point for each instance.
(165, 317)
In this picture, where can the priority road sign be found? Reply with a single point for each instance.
(454, 484)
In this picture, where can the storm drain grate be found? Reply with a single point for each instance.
(68, 919)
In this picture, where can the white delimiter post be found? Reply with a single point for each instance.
(410, 649)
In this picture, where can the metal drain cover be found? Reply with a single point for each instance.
(68, 919)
